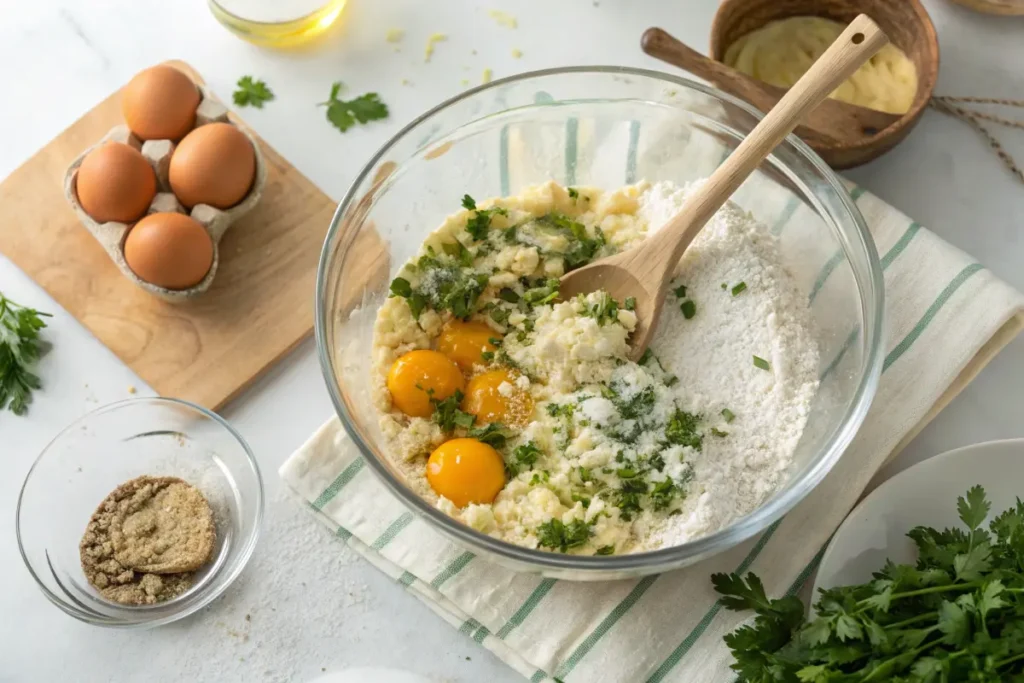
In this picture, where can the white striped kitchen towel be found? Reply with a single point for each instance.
(946, 317)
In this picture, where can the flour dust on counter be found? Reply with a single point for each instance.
(522, 416)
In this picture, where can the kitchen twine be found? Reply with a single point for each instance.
(973, 118)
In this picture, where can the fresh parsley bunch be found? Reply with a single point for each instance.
(957, 615)
(19, 349)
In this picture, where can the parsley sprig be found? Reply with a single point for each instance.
(343, 114)
(554, 534)
(19, 350)
(252, 92)
(955, 615)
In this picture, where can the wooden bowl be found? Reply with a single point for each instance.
(904, 21)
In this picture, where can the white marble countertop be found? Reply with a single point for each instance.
(313, 605)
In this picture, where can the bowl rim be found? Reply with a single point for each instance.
(658, 560)
(925, 84)
(214, 590)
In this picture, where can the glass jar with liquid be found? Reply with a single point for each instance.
(277, 23)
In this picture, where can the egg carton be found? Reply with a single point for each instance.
(111, 235)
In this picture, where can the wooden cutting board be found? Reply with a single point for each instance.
(206, 350)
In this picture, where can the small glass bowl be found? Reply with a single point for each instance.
(109, 446)
(277, 24)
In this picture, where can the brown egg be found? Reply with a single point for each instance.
(160, 103)
(169, 250)
(214, 165)
(115, 183)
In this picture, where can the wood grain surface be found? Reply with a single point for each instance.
(206, 350)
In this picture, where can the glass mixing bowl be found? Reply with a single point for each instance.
(600, 126)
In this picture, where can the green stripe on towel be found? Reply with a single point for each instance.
(338, 484)
(453, 568)
(393, 530)
(528, 606)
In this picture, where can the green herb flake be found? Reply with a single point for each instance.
(680, 291)
(447, 414)
(728, 415)
(509, 295)
(605, 550)
(630, 303)
(761, 363)
(737, 288)
(493, 434)
(556, 535)
(343, 114)
(681, 430)
(524, 457)
(688, 308)
(718, 432)
(251, 93)
(573, 193)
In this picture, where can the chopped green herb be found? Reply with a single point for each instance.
(630, 303)
(688, 308)
(523, 458)
(663, 493)
(681, 430)
(545, 294)
(761, 363)
(555, 534)
(728, 415)
(646, 356)
(563, 409)
(509, 295)
(585, 474)
(573, 193)
(718, 432)
(493, 434)
(724, 286)
(458, 251)
(344, 114)
(605, 550)
(447, 414)
(627, 497)
(625, 473)
(680, 291)
(487, 356)
(252, 93)
(401, 287)
(582, 247)
(737, 288)
(468, 203)
(605, 310)
(638, 406)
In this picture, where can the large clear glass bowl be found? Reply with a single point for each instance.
(600, 126)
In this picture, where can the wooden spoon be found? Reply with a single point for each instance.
(645, 271)
(832, 121)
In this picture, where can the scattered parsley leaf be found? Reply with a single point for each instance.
(728, 415)
(736, 289)
(761, 363)
(252, 93)
(20, 348)
(447, 414)
(605, 550)
(718, 432)
(630, 303)
(681, 430)
(343, 114)
(468, 203)
(493, 434)
(680, 291)
(688, 308)
(573, 193)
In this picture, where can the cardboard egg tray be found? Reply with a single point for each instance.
(158, 153)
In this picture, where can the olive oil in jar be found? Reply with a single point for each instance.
(277, 23)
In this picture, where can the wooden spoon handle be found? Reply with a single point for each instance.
(854, 46)
(661, 45)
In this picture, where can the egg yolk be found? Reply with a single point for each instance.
(494, 397)
(466, 471)
(465, 342)
(419, 376)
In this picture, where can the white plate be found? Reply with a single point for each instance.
(923, 495)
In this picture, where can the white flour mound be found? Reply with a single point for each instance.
(712, 354)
